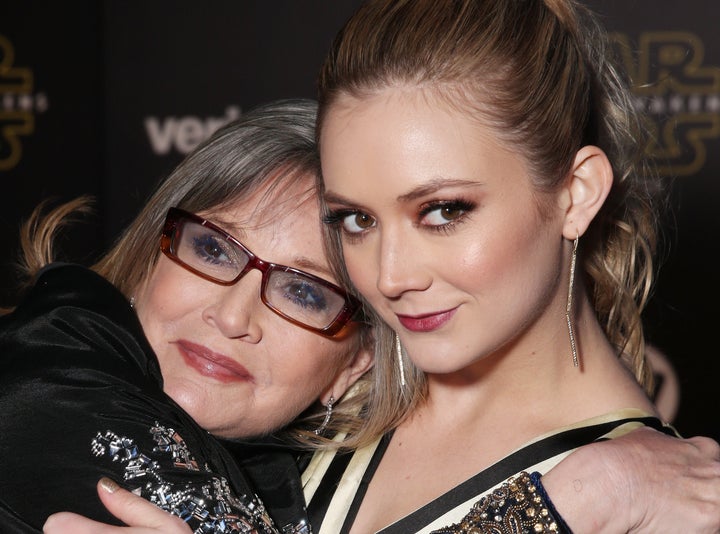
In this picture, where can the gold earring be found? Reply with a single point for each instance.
(399, 353)
(568, 308)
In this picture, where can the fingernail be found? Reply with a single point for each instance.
(109, 485)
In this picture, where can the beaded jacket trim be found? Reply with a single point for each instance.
(207, 504)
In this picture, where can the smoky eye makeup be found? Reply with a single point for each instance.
(444, 212)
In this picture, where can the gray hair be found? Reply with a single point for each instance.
(232, 164)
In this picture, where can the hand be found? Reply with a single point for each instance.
(644, 481)
(141, 515)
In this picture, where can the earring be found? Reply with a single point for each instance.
(132, 302)
(568, 308)
(399, 353)
(328, 414)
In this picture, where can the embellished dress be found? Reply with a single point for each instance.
(335, 484)
(81, 398)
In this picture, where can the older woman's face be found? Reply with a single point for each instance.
(235, 366)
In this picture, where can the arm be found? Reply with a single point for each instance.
(642, 482)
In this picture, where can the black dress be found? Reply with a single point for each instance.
(81, 397)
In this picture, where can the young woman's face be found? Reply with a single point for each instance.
(235, 366)
(441, 227)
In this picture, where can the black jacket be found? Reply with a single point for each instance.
(81, 397)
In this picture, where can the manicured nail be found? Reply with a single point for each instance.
(109, 485)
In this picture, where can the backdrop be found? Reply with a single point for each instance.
(104, 98)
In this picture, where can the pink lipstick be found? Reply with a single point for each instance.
(211, 364)
(426, 322)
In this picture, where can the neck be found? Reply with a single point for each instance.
(533, 379)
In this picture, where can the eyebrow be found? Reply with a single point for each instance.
(435, 185)
(304, 263)
(228, 226)
(300, 262)
(428, 188)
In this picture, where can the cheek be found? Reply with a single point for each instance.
(298, 379)
(168, 297)
(311, 369)
(310, 366)
(518, 266)
(489, 261)
(361, 268)
(503, 258)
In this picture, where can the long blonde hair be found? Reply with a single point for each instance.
(538, 73)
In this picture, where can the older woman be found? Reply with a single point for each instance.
(216, 316)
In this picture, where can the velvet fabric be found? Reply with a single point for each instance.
(75, 365)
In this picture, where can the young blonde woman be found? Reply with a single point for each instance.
(483, 171)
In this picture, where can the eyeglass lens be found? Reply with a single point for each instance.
(291, 293)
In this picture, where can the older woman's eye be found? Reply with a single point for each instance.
(305, 294)
(355, 223)
(212, 250)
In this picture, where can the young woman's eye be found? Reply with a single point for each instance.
(355, 223)
(445, 213)
(352, 222)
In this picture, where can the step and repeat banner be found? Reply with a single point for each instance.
(104, 98)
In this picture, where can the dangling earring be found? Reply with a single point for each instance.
(328, 414)
(399, 353)
(132, 302)
(568, 308)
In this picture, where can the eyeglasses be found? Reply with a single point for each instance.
(211, 253)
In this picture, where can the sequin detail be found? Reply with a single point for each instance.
(516, 507)
(204, 501)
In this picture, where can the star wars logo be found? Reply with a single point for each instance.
(679, 93)
(18, 106)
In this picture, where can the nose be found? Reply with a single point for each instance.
(236, 310)
(402, 266)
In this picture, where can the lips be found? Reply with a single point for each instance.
(211, 364)
(426, 322)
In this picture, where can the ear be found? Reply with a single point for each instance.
(591, 179)
(360, 363)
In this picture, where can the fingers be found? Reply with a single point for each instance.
(136, 511)
(707, 447)
(141, 516)
(67, 523)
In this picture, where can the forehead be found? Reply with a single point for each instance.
(279, 222)
(407, 115)
(403, 131)
(277, 199)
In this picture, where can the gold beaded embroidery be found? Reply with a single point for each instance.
(513, 508)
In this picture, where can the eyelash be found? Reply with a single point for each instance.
(459, 204)
(335, 218)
